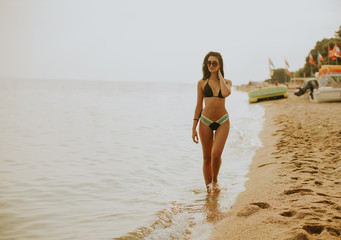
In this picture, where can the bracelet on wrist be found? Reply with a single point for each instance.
(195, 119)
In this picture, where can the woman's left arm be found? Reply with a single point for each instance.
(225, 85)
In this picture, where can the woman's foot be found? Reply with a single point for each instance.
(215, 188)
(209, 188)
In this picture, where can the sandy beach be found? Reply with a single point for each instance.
(294, 186)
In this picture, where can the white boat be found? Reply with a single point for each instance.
(326, 94)
(329, 89)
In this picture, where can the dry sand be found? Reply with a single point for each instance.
(294, 186)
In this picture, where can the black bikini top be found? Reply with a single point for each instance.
(209, 93)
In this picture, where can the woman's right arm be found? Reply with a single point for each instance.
(197, 112)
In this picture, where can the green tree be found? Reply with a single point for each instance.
(280, 76)
(321, 46)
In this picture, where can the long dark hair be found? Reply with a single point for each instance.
(205, 71)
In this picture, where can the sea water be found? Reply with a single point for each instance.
(113, 160)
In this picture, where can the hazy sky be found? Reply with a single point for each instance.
(155, 40)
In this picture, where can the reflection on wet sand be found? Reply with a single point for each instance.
(212, 208)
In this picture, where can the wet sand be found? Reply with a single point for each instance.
(294, 186)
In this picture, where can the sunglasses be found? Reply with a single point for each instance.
(213, 63)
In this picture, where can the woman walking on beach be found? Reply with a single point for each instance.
(214, 123)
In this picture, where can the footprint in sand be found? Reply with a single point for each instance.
(299, 190)
(249, 210)
(288, 213)
(313, 229)
(317, 229)
(262, 205)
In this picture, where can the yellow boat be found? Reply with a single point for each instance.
(268, 93)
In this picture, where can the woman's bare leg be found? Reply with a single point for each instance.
(220, 137)
(206, 139)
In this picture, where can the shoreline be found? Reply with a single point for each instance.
(293, 189)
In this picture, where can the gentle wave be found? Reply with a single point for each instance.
(181, 221)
